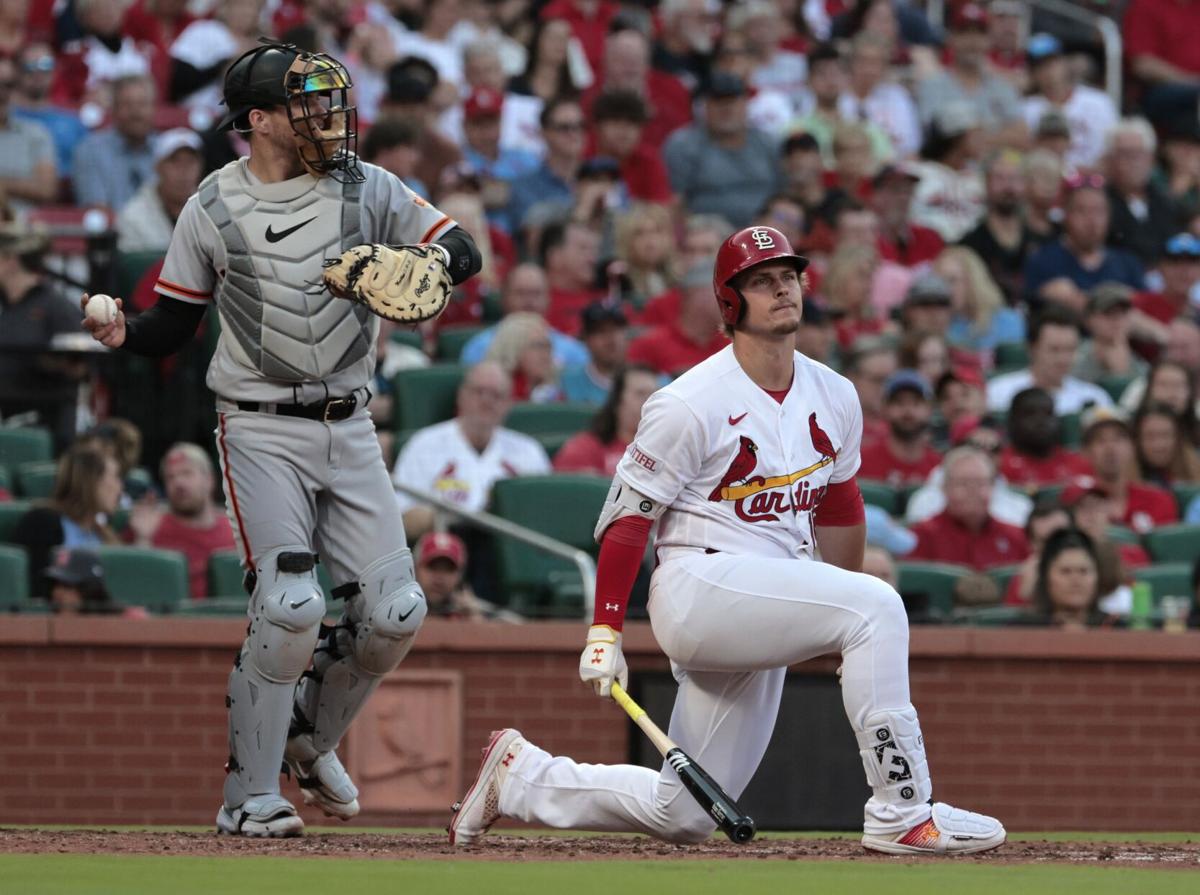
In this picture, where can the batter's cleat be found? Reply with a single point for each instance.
(476, 811)
(949, 831)
(263, 817)
(322, 780)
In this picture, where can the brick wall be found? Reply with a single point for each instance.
(111, 721)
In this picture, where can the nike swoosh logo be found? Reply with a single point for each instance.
(407, 614)
(734, 420)
(296, 605)
(272, 236)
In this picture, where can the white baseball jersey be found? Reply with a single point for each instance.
(740, 472)
(440, 459)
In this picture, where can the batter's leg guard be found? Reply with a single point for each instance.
(285, 615)
(893, 755)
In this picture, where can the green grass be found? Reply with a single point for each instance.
(129, 875)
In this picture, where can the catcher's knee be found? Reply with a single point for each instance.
(286, 611)
(393, 609)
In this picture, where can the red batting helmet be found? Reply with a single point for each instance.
(740, 252)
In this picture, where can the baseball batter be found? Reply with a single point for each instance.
(303, 474)
(748, 463)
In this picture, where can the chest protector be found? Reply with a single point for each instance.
(281, 321)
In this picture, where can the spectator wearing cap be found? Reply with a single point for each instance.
(874, 96)
(1179, 267)
(1089, 113)
(495, 165)
(816, 338)
(767, 110)
(901, 239)
(1002, 239)
(693, 336)
(979, 318)
(723, 166)
(1144, 216)
(1053, 348)
(926, 306)
(27, 162)
(1108, 448)
(904, 456)
(949, 196)
(599, 449)
(605, 335)
(868, 365)
(484, 69)
(146, 222)
(1063, 270)
(1052, 134)
(411, 83)
(960, 395)
(618, 117)
(554, 181)
(966, 532)
(822, 100)
(113, 164)
(76, 582)
(1161, 57)
(1108, 352)
(968, 80)
(441, 565)
(686, 39)
(1034, 456)
(36, 64)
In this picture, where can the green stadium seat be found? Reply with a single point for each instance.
(451, 340)
(552, 442)
(990, 616)
(425, 395)
(14, 578)
(5, 479)
(36, 480)
(1011, 356)
(11, 513)
(933, 581)
(1184, 493)
(1115, 385)
(215, 606)
(538, 419)
(131, 267)
(880, 494)
(144, 576)
(564, 507)
(1123, 535)
(1002, 575)
(410, 337)
(225, 575)
(1168, 579)
(25, 445)
(1048, 493)
(1072, 430)
(1173, 543)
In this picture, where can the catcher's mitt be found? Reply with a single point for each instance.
(408, 284)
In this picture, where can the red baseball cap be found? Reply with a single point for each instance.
(969, 15)
(441, 545)
(1079, 488)
(484, 102)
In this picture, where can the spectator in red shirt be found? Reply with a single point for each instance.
(694, 335)
(868, 366)
(589, 21)
(965, 533)
(1034, 456)
(903, 456)
(155, 24)
(1162, 56)
(900, 240)
(619, 117)
(1108, 447)
(569, 253)
(191, 522)
(1090, 513)
(960, 395)
(1180, 269)
(599, 449)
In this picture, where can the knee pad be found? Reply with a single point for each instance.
(893, 755)
(287, 610)
(392, 610)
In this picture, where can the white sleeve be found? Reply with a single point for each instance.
(667, 452)
(188, 273)
(413, 467)
(536, 461)
(849, 458)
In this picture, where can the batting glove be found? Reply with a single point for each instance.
(602, 661)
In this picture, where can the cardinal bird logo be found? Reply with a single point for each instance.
(820, 440)
(743, 464)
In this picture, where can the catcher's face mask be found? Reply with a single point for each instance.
(318, 90)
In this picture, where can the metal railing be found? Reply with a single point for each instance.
(504, 528)
(1110, 34)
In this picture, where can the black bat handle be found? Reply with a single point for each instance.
(719, 806)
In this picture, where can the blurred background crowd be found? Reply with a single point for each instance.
(1001, 202)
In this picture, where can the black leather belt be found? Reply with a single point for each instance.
(330, 411)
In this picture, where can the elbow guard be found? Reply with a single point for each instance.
(624, 501)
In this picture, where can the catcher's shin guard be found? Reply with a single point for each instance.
(893, 755)
(381, 621)
(285, 614)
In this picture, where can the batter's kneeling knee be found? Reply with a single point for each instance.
(684, 823)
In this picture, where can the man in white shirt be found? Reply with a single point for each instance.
(458, 460)
(1053, 347)
(1090, 113)
(146, 222)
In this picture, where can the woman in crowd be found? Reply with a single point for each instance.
(1171, 384)
(645, 250)
(981, 321)
(599, 449)
(87, 491)
(927, 353)
(1164, 455)
(1067, 591)
(551, 70)
(522, 347)
(847, 289)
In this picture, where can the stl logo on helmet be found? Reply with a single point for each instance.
(762, 238)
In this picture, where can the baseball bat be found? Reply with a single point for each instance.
(706, 791)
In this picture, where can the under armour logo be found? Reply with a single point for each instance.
(762, 238)
(507, 759)
(612, 607)
(598, 655)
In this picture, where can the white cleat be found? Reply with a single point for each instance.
(261, 817)
(322, 779)
(949, 831)
(476, 811)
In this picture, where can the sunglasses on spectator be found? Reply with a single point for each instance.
(1183, 245)
(1083, 182)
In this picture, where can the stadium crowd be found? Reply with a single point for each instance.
(1005, 263)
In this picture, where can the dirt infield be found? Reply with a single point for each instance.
(499, 847)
